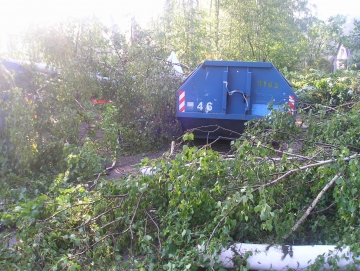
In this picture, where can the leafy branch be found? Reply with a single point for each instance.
(312, 206)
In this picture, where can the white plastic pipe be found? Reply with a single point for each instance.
(277, 257)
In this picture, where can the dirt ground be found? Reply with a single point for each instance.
(128, 164)
(124, 164)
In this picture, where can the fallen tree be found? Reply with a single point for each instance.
(282, 186)
(286, 184)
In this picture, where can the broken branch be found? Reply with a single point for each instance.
(313, 204)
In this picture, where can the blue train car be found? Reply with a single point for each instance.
(226, 94)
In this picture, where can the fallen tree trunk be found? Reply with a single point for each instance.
(278, 257)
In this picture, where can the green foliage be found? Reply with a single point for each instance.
(144, 98)
(340, 130)
(143, 222)
(321, 40)
(352, 41)
(184, 29)
(324, 89)
(354, 61)
(66, 216)
(267, 32)
(45, 112)
(82, 162)
(283, 32)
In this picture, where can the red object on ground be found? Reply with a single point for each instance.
(100, 101)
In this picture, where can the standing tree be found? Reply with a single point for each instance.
(252, 30)
(320, 41)
(353, 43)
(263, 30)
(183, 29)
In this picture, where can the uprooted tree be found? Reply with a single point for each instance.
(285, 182)
(85, 62)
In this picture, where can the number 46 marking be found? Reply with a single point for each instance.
(208, 107)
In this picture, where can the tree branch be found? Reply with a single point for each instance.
(223, 218)
(100, 240)
(72, 206)
(100, 215)
(321, 163)
(133, 217)
(287, 153)
(313, 204)
(323, 210)
(158, 229)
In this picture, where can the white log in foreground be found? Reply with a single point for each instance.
(277, 257)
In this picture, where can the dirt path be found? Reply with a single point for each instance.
(128, 164)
